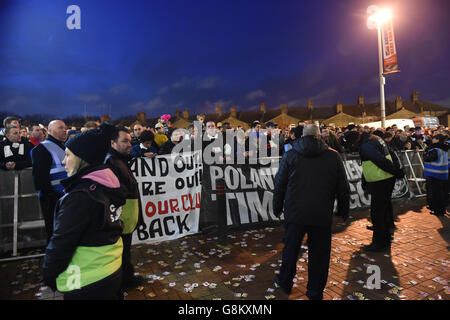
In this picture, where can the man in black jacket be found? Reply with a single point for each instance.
(48, 170)
(117, 159)
(309, 179)
(14, 153)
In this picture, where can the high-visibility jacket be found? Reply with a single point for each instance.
(57, 170)
(439, 168)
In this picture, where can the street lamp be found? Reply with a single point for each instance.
(377, 18)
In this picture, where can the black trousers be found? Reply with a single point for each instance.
(437, 194)
(127, 267)
(105, 289)
(319, 248)
(390, 207)
(381, 211)
(48, 204)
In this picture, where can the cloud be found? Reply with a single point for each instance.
(16, 102)
(298, 102)
(119, 89)
(204, 83)
(443, 102)
(208, 83)
(325, 95)
(211, 106)
(89, 97)
(182, 83)
(150, 105)
(255, 95)
(163, 90)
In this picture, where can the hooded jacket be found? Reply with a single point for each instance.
(309, 179)
(87, 230)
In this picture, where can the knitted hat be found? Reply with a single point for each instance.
(146, 136)
(92, 145)
(378, 133)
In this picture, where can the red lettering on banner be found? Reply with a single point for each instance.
(174, 205)
(197, 200)
(150, 209)
(161, 210)
(188, 203)
(183, 197)
(191, 201)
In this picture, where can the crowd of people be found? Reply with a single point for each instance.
(151, 141)
(90, 198)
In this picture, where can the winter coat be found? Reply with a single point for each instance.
(376, 160)
(42, 164)
(139, 150)
(87, 230)
(15, 152)
(131, 211)
(309, 179)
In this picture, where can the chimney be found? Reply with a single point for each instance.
(177, 113)
(415, 96)
(233, 112)
(360, 99)
(262, 107)
(105, 117)
(284, 109)
(339, 107)
(398, 103)
(219, 110)
(186, 114)
(141, 116)
(310, 104)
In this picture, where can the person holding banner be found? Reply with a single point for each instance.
(309, 179)
(117, 159)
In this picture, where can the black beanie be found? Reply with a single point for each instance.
(146, 136)
(92, 145)
(378, 133)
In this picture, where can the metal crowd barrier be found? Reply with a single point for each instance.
(22, 225)
(21, 221)
(412, 162)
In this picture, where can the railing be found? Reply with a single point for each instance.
(22, 225)
(413, 167)
(21, 221)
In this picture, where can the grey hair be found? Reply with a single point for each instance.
(311, 130)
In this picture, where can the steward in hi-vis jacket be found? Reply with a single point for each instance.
(436, 174)
(84, 256)
(379, 172)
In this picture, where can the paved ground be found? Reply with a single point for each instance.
(417, 268)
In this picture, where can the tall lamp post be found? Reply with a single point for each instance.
(376, 20)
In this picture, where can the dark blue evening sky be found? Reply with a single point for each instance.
(162, 56)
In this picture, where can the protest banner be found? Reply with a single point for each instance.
(170, 194)
(178, 194)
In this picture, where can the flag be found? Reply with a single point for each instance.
(389, 51)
